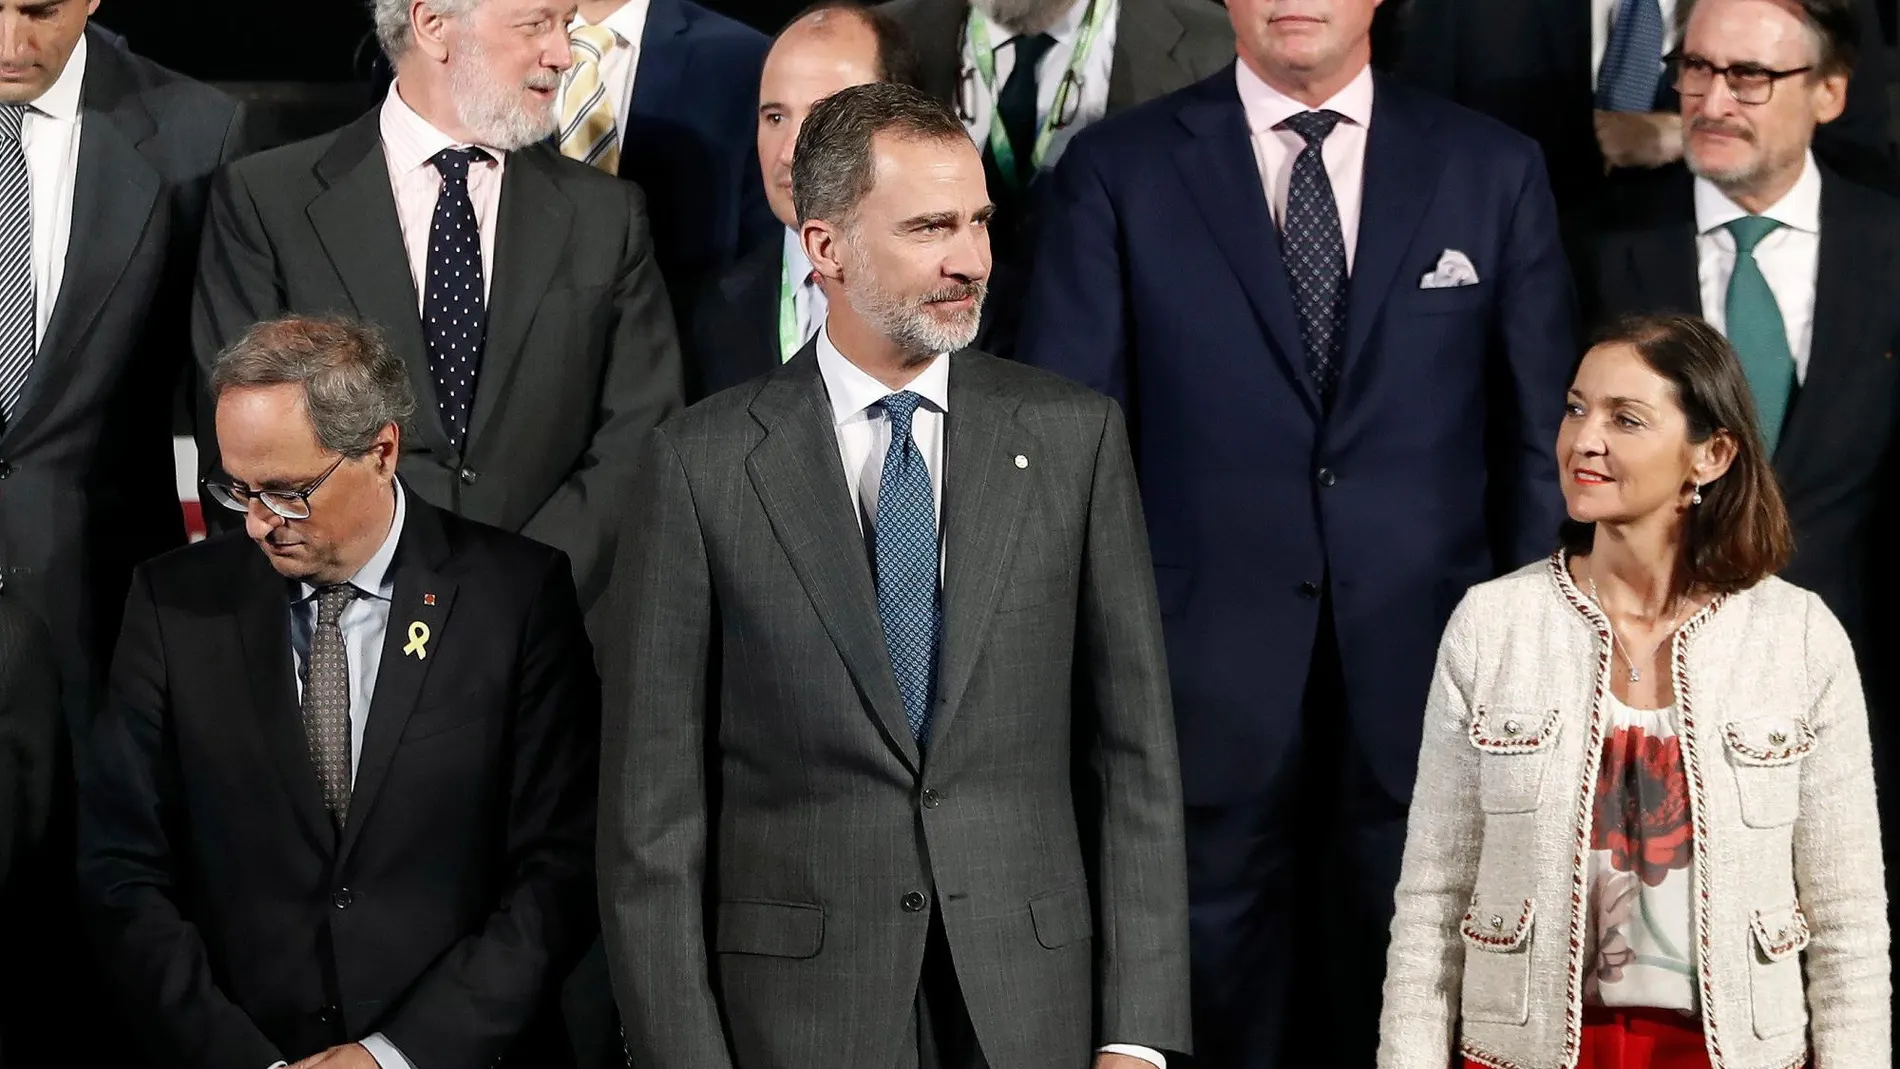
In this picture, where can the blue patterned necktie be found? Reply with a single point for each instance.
(906, 553)
(454, 310)
(1631, 75)
(1314, 248)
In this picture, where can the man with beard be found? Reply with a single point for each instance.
(518, 286)
(1026, 75)
(1798, 267)
(880, 796)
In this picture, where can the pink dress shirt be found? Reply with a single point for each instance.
(1275, 148)
(409, 141)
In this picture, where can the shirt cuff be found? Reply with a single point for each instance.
(388, 1057)
(1146, 1054)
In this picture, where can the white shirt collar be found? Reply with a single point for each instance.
(797, 265)
(411, 141)
(628, 21)
(61, 99)
(1267, 107)
(1798, 209)
(373, 577)
(852, 390)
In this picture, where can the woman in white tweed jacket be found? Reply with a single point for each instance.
(1644, 832)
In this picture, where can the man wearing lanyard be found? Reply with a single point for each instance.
(1087, 59)
(764, 309)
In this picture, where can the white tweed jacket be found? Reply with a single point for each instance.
(1790, 905)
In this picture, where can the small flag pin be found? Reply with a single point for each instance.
(428, 599)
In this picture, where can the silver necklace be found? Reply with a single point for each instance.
(1636, 675)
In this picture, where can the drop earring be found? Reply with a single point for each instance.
(1696, 498)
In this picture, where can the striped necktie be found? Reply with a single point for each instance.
(18, 304)
(588, 132)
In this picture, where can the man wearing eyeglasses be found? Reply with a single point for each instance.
(338, 810)
(1800, 268)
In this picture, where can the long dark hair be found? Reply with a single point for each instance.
(1739, 534)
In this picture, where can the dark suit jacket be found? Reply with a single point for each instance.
(33, 868)
(239, 925)
(1527, 62)
(771, 813)
(1160, 46)
(691, 144)
(1430, 470)
(1836, 453)
(581, 357)
(734, 335)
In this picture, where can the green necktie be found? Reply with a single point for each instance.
(1756, 330)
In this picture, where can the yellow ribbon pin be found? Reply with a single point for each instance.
(418, 640)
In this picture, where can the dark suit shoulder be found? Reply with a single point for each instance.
(1203, 21)
(503, 557)
(1456, 128)
(1878, 207)
(167, 93)
(1038, 393)
(200, 575)
(271, 166)
(723, 32)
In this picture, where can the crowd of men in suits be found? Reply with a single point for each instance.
(517, 713)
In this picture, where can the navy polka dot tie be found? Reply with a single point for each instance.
(454, 312)
(1315, 250)
(906, 553)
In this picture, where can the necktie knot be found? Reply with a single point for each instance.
(1749, 230)
(1314, 126)
(12, 117)
(1030, 48)
(899, 408)
(331, 601)
(592, 43)
(453, 163)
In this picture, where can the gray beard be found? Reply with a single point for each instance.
(493, 112)
(1023, 16)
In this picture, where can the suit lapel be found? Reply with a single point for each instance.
(984, 493)
(421, 600)
(530, 239)
(665, 55)
(1401, 176)
(938, 34)
(1851, 254)
(114, 193)
(355, 220)
(796, 473)
(262, 621)
(1146, 35)
(1223, 181)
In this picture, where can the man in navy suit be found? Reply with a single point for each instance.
(1338, 315)
(675, 114)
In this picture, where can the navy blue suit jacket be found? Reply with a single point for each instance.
(1431, 469)
(691, 141)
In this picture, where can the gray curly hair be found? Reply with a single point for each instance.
(392, 21)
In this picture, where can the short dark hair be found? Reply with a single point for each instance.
(832, 165)
(353, 384)
(897, 59)
(1834, 23)
(1739, 534)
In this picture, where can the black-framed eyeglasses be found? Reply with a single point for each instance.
(290, 504)
(1748, 83)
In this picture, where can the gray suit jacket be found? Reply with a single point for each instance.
(581, 357)
(1160, 46)
(770, 834)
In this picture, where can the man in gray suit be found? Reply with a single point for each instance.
(1088, 59)
(872, 797)
(519, 287)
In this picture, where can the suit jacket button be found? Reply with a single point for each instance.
(468, 477)
(342, 898)
(1326, 477)
(329, 1015)
(1309, 590)
(6, 469)
(915, 902)
(932, 799)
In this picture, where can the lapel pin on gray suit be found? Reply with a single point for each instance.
(865, 647)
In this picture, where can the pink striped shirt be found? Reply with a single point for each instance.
(409, 141)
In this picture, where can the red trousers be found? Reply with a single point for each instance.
(1637, 1039)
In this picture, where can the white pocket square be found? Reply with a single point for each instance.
(1454, 269)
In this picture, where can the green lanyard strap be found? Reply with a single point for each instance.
(788, 340)
(977, 29)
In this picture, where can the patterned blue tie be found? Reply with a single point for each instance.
(906, 552)
(1314, 248)
(1631, 74)
(454, 310)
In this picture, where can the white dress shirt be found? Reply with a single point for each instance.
(409, 142)
(364, 623)
(1275, 147)
(809, 303)
(864, 437)
(49, 136)
(974, 103)
(618, 66)
(1603, 17)
(1789, 257)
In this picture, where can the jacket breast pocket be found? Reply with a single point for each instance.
(1497, 935)
(1514, 748)
(1766, 754)
(1780, 1003)
(771, 929)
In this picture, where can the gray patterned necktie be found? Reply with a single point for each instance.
(18, 307)
(1314, 248)
(906, 554)
(326, 700)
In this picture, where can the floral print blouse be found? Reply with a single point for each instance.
(1641, 933)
